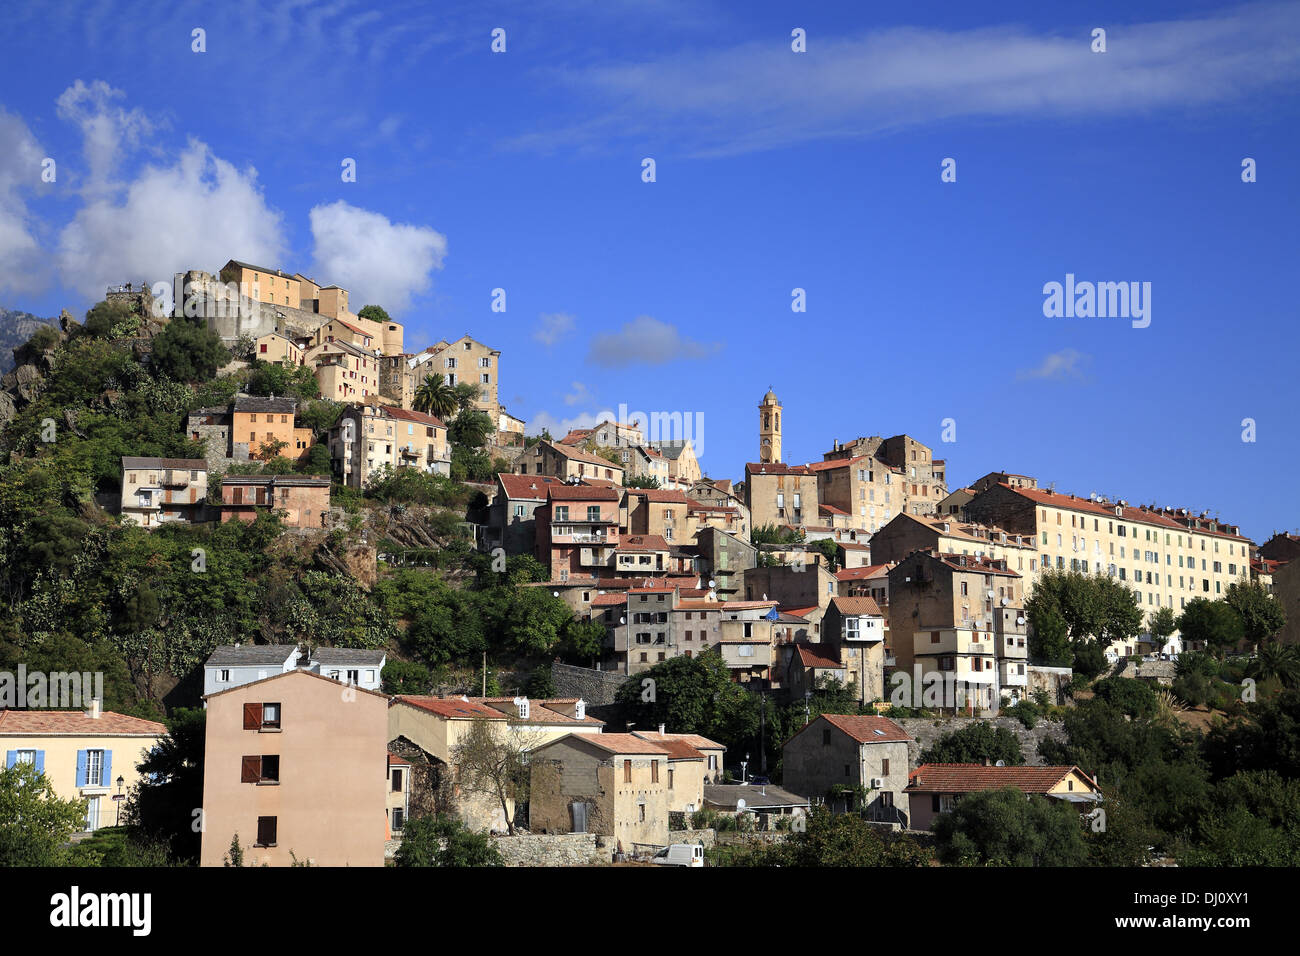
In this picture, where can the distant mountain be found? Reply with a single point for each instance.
(15, 329)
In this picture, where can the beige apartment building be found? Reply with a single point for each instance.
(156, 491)
(683, 465)
(464, 361)
(369, 438)
(567, 462)
(1166, 556)
(907, 468)
(296, 766)
(906, 533)
(779, 495)
(958, 621)
(88, 755)
(657, 511)
(274, 347)
(263, 284)
(345, 372)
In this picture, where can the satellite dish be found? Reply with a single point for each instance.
(712, 583)
(555, 594)
(740, 804)
(1000, 763)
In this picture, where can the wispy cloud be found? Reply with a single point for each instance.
(755, 96)
(1062, 366)
(553, 326)
(580, 394)
(646, 341)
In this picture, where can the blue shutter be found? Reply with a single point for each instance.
(40, 761)
(82, 760)
(107, 776)
(11, 758)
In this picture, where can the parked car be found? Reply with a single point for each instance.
(680, 854)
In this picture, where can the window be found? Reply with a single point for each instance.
(884, 768)
(94, 768)
(654, 771)
(397, 780)
(266, 831)
(223, 676)
(627, 771)
(263, 769)
(399, 819)
(261, 716)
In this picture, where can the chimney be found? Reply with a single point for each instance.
(988, 762)
(96, 709)
(661, 730)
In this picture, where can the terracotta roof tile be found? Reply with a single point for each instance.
(969, 777)
(77, 723)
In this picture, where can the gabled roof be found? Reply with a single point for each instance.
(618, 744)
(258, 404)
(409, 415)
(294, 674)
(76, 723)
(854, 574)
(660, 495)
(343, 656)
(695, 740)
(250, 655)
(970, 777)
(452, 708)
(526, 487)
(641, 542)
(180, 464)
(816, 659)
(857, 606)
(867, 728)
(776, 468)
(565, 492)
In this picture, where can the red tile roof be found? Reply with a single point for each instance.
(410, 415)
(661, 495)
(76, 723)
(642, 542)
(849, 606)
(1138, 514)
(695, 740)
(811, 658)
(831, 510)
(453, 708)
(624, 744)
(563, 492)
(867, 729)
(776, 468)
(609, 600)
(526, 486)
(854, 574)
(969, 777)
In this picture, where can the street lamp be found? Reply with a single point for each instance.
(120, 780)
(743, 764)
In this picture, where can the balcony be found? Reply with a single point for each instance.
(175, 479)
(596, 537)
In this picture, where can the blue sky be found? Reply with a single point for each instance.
(774, 170)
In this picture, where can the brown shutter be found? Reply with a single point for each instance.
(250, 770)
(252, 716)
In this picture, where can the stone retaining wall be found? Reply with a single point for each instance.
(926, 731)
(561, 849)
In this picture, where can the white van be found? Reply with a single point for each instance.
(681, 854)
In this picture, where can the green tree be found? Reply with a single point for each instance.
(162, 805)
(1277, 661)
(406, 677)
(436, 397)
(34, 822)
(693, 695)
(1009, 828)
(283, 379)
(1163, 623)
(1262, 615)
(975, 743)
(445, 841)
(188, 351)
(1129, 696)
(1213, 623)
(374, 313)
(103, 317)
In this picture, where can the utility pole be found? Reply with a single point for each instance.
(485, 673)
(762, 736)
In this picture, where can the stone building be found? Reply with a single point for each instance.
(156, 491)
(615, 785)
(838, 753)
(304, 499)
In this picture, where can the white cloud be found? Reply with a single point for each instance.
(581, 393)
(648, 341)
(108, 131)
(377, 260)
(759, 95)
(559, 427)
(1057, 367)
(22, 266)
(552, 326)
(195, 214)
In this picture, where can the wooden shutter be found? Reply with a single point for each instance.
(252, 716)
(250, 770)
(265, 831)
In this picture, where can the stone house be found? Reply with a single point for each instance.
(857, 752)
(305, 500)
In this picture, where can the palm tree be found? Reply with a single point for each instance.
(435, 396)
(1279, 660)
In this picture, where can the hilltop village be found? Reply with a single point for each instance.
(316, 555)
